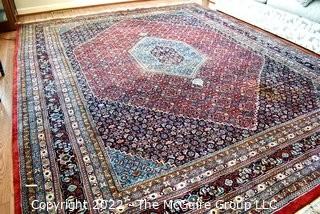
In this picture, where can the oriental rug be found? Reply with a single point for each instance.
(165, 110)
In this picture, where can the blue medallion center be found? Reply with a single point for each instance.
(166, 56)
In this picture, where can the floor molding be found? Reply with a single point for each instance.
(96, 9)
(69, 5)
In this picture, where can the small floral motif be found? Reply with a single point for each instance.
(228, 182)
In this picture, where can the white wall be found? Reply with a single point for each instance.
(35, 6)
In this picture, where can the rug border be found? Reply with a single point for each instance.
(301, 201)
(15, 141)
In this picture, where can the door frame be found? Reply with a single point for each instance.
(11, 14)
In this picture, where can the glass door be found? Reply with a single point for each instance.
(3, 16)
(7, 15)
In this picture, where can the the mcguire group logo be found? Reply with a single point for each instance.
(219, 205)
(172, 205)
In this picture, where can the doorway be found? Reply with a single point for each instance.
(8, 15)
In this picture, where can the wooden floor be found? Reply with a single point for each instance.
(7, 45)
(103, 8)
(6, 56)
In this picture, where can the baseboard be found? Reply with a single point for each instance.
(68, 5)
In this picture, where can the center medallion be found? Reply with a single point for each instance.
(167, 57)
